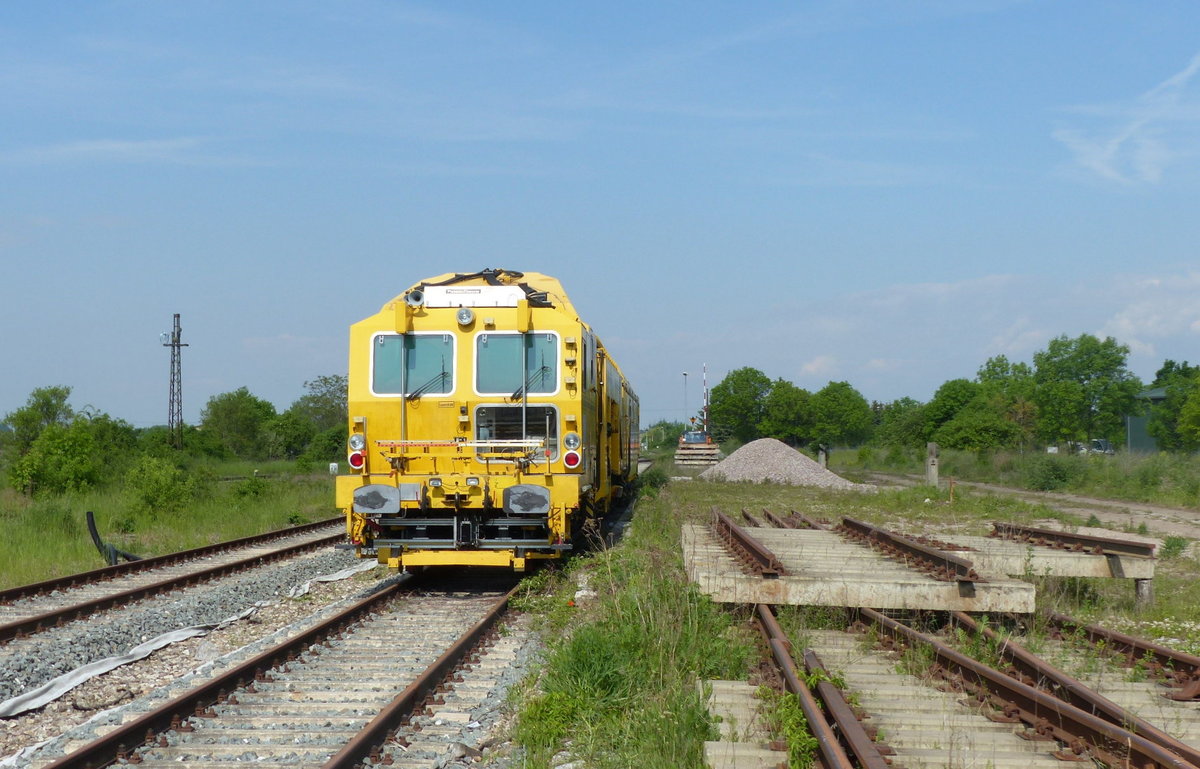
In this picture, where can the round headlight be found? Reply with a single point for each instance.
(464, 316)
(358, 442)
(571, 441)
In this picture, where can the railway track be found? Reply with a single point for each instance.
(949, 709)
(29, 609)
(398, 676)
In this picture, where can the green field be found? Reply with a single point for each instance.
(47, 536)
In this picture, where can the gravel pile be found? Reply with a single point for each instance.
(770, 460)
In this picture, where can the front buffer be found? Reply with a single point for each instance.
(460, 520)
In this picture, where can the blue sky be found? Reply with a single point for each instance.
(883, 193)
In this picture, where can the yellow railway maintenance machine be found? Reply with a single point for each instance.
(487, 424)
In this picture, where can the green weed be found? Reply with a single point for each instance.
(786, 718)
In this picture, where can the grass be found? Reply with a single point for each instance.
(1160, 478)
(620, 681)
(48, 537)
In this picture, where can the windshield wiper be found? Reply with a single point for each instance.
(539, 373)
(439, 378)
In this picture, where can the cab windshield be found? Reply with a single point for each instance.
(516, 365)
(412, 364)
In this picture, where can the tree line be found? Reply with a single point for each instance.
(48, 446)
(1075, 390)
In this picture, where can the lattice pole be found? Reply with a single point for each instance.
(175, 405)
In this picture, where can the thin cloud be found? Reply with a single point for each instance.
(1160, 309)
(1135, 147)
(184, 150)
(822, 364)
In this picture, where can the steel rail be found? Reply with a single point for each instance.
(1068, 541)
(868, 753)
(941, 565)
(809, 522)
(1180, 668)
(108, 572)
(794, 520)
(752, 553)
(39, 622)
(750, 519)
(776, 521)
(1048, 716)
(1036, 672)
(832, 753)
(124, 738)
(366, 743)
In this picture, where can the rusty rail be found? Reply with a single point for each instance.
(751, 553)
(793, 520)
(57, 617)
(805, 521)
(861, 742)
(832, 753)
(1048, 717)
(1179, 668)
(109, 572)
(1036, 672)
(940, 565)
(1064, 540)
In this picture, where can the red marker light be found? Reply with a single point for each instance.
(571, 459)
(357, 460)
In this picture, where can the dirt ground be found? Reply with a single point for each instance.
(1118, 514)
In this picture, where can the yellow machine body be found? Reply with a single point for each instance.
(487, 424)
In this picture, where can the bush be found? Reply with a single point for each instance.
(651, 481)
(1173, 547)
(1046, 473)
(61, 459)
(155, 485)
(250, 488)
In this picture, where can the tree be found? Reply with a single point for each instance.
(45, 406)
(949, 399)
(1179, 381)
(841, 415)
(324, 403)
(1102, 389)
(1189, 419)
(288, 434)
(787, 413)
(663, 434)
(737, 404)
(238, 418)
(1008, 389)
(981, 424)
(901, 423)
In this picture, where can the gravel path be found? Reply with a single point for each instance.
(30, 662)
(767, 459)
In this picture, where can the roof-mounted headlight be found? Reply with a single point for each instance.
(464, 316)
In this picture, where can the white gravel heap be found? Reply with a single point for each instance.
(767, 459)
